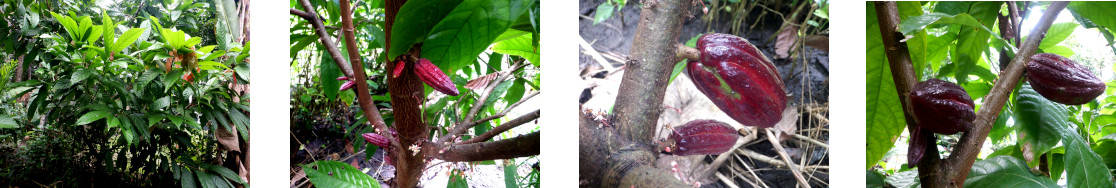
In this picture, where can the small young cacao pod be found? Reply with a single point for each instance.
(916, 145)
(376, 139)
(347, 85)
(701, 137)
(739, 79)
(1061, 80)
(942, 107)
(399, 68)
(434, 77)
(342, 78)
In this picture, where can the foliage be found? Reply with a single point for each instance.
(98, 94)
(959, 42)
(469, 40)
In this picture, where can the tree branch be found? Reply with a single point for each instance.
(323, 35)
(504, 127)
(964, 154)
(637, 109)
(519, 146)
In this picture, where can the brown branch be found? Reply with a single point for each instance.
(323, 35)
(902, 72)
(609, 160)
(637, 109)
(1013, 12)
(964, 154)
(687, 52)
(519, 146)
(491, 86)
(504, 127)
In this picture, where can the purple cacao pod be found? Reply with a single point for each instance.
(942, 107)
(1061, 80)
(434, 77)
(739, 79)
(376, 139)
(347, 85)
(916, 146)
(702, 137)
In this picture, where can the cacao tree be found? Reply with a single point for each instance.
(133, 93)
(1041, 94)
(414, 84)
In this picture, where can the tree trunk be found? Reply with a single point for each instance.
(406, 93)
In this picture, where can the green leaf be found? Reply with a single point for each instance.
(1037, 120)
(127, 39)
(456, 180)
(1056, 34)
(161, 103)
(604, 11)
(511, 178)
(515, 93)
(80, 74)
(225, 172)
(497, 92)
(337, 174)
(6, 122)
(1084, 168)
(107, 26)
(90, 117)
(1096, 14)
(327, 75)
(205, 179)
(874, 179)
(414, 21)
(885, 120)
(468, 30)
(1004, 171)
(187, 180)
(306, 40)
(520, 46)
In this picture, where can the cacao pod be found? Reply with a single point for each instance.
(376, 139)
(702, 137)
(739, 79)
(398, 69)
(434, 77)
(916, 146)
(1061, 80)
(342, 78)
(347, 85)
(942, 107)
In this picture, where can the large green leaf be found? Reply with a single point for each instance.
(127, 39)
(224, 172)
(511, 177)
(327, 75)
(1056, 34)
(468, 30)
(337, 174)
(90, 117)
(1037, 120)
(1084, 168)
(1096, 13)
(1004, 171)
(6, 122)
(884, 116)
(520, 46)
(414, 21)
(107, 26)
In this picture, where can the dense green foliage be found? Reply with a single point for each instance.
(467, 39)
(109, 95)
(959, 42)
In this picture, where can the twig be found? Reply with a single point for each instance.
(323, 35)
(504, 127)
(811, 140)
(469, 122)
(729, 181)
(311, 154)
(366, 103)
(786, 158)
(593, 53)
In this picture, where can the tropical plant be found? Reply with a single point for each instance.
(981, 47)
(488, 49)
(111, 88)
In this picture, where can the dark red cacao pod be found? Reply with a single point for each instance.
(702, 137)
(942, 107)
(398, 69)
(739, 79)
(1061, 80)
(376, 139)
(434, 77)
